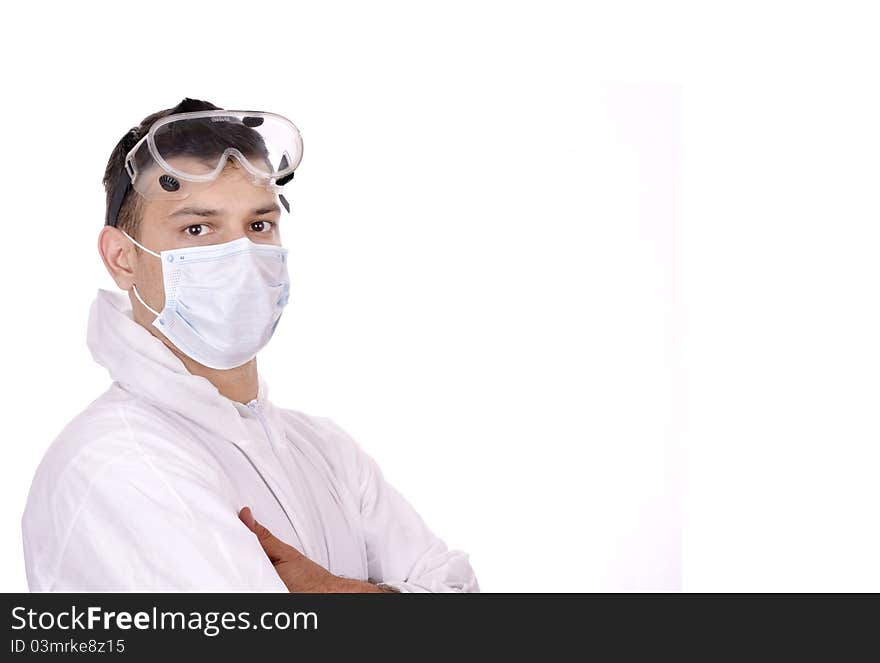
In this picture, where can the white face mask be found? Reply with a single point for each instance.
(222, 301)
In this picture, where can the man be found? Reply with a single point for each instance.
(183, 476)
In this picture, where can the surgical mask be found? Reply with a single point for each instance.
(222, 301)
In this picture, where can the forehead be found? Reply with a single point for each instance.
(233, 193)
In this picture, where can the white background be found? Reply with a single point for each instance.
(489, 283)
(486, 265)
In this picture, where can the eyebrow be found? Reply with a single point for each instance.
(205, 211)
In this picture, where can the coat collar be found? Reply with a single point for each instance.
(144, 366)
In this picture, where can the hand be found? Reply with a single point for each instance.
(298, 572)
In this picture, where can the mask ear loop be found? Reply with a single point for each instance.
(133, 286)
(140, 299)
(139, 244)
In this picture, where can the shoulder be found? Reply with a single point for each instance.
(94, 439)
(115, 430)
(116, 444)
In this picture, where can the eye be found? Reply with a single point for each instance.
(196, 230)
(261, 226)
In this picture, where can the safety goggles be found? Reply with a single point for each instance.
(184, 152)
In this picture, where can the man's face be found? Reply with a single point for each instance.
(229, 208)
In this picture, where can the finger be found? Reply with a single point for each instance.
(247, 518)
(276, 550)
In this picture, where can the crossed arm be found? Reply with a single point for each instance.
(154, 525)
(298, 572)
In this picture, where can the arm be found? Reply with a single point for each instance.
(402, 551)
(298, 573)
(359, 586)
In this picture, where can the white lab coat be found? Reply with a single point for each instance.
(141, 491)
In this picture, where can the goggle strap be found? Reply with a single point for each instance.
(123, 186)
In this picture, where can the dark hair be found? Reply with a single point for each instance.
(205, 140)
